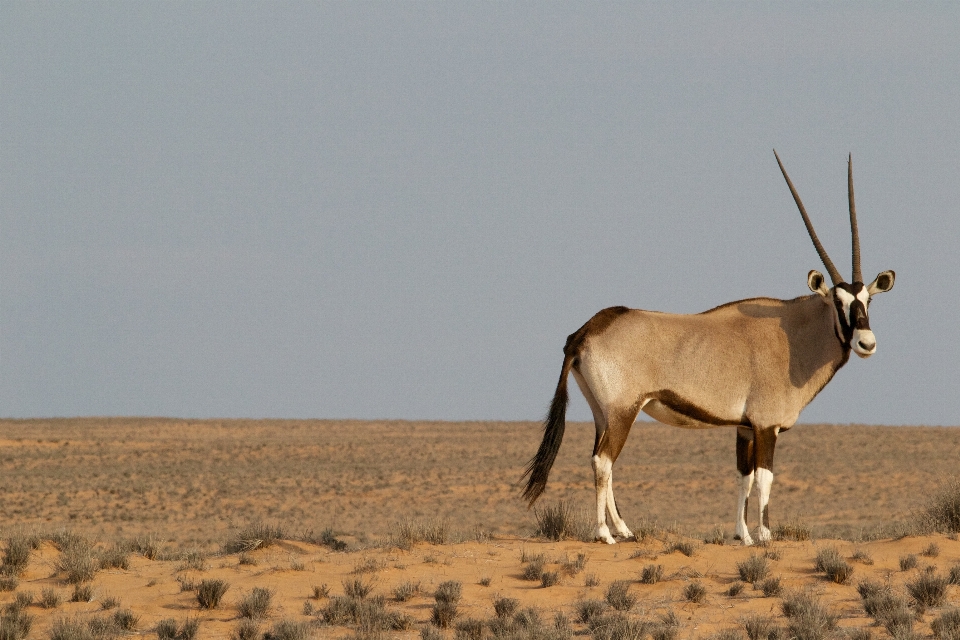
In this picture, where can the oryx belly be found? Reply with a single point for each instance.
(667, 415)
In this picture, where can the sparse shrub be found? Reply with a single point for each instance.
(109, 602)
(321, 591)
(549, 578)
(667, 627)
(23, 599)
(947, 626)
(429, 632)
(928, 589)
(859, 634)
(256, 604)
(289, 630)
(616, 626)
(209, 593)
(368, 565)
(685, 547)
(862, 556)
(695, 592)
(757, 627)
(168, 629)
(809, 618)
(9, 583)
(587, 610)
(770, 587)
(405, 591)
(327, 538)
(573, 567)
(258, 535)
(651, 574)
(246, 629)
(619, 597)
(485, 581)
(187, 584)
(297, 565)
(406, 533)
(469, 629)
(82, 593)
(357, 588)
(591, 580)
(443, 614)
(727, 634)
(116, 557)
(50, 598)
(792, 529)
(932, 550)
(15, 623)
(753, 568)
(561, 522)
(70, 629)
(942, 512)
(149, 547)
(247, 559)
(76, 559)
(908, 562)
(16, 556)
(125, 620)
(831, 563)
(954, 575)
(101, 627)
(534, 568)
(449, 591)
(505, 607)
(771, 553)
(735, 589)
(193, 560)
(717, 536)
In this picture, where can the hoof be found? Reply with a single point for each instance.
(608, 540)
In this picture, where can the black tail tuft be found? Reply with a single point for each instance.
(538, 469)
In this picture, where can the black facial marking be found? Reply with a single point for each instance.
(858, 318)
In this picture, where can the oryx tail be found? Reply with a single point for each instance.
(538, 468)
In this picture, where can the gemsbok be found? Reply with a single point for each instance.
(751, 364)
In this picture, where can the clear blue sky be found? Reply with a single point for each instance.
(400, 210)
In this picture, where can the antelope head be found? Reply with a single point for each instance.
(850, 301)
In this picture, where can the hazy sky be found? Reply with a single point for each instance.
(400, 210)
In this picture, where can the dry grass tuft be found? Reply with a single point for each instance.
(407, 533)
(619, 597)
(562, 522)
(258, 535)
(830, 562)
(809, 618)
(947, 625)
(908, 562)
(187, 630)
(695, 592)
(651, 574)
(256, 604)
(793, 529)
(928, 589)
(942, 512)
(209, 593)
(753, 568)
(77, 558)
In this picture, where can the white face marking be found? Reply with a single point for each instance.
(846, 299)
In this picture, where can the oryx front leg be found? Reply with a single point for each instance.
(745, 464)
(603, 481)
(765, 443)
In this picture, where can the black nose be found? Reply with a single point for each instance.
(866, 346)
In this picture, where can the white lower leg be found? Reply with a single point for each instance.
(745, 484)
(618, 524)
(764, 482)
(602, 468)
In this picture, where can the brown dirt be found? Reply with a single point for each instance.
(190, 482)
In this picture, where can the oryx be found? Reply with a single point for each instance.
(751, 364)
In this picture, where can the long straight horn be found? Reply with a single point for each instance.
(857, 275)
(832, 270)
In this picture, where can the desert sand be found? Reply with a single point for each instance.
(195, 484)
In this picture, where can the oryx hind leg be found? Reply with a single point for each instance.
(607, 448)
(766, 442)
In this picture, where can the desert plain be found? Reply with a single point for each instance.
(337, 500)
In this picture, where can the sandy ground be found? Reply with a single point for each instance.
(192, 483)
(152, 591)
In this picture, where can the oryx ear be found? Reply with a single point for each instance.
(816, 283)
(883, 282)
